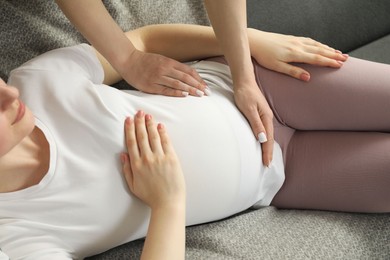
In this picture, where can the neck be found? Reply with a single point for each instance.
(26, 164)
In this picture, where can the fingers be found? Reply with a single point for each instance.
(165, 141)
(184, 80)
(165, 76)
(131, 141)
(291, 70)
(268, 146)
(142, 136)
(254, 106)
(128, 173)
(190, 77)
(321, 54)
(310, 52)
(322, 57)
(154, 176)
(262, 127)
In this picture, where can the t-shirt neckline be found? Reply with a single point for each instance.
(50, 173)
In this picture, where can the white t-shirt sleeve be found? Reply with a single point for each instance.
(79, 60)
(42, 255)
(46, 255)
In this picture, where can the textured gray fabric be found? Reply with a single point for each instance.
(343, 24)
(269, 233)
(29, 28)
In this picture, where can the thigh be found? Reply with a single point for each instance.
(342, 171)
(354, 97)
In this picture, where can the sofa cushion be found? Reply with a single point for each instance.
(378, 51)
(342, 24)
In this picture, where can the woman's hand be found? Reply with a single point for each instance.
(276, 52)
(157, 74)
(153, 173)
(252, 103)
(151, 167)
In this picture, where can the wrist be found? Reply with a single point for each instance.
(169, 208)
(124, 64)
(124, 59)
(244, 77)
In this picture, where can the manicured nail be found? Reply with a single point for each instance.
(160, 126)
(305, 77)
(340, 62)
(207, 91)
(199, 93)
(140, 113)
(269, 165)
(127, 121)
(123, 159)
(262, 137)
(345, 55)
(184, 93)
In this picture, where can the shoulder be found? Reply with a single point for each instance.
(80, 60)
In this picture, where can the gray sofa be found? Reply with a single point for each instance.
(358, 27)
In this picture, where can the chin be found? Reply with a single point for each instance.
(29, 121)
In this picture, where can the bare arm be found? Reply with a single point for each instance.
(184, 42)
(93, 21)
(177, 41)
(228, 18)
(160, 75)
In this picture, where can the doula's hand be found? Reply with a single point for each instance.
(151, 167)
(252, 103)
(277, 51)
(157, 74)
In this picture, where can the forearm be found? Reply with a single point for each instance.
(182, 42)
(166, 234)
(94, 22)
(228, 18)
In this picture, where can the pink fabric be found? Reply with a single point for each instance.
(334, 132)
(335, 135)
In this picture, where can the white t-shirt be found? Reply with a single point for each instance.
(83, 206)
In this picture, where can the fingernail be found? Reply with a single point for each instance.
(345, 55)
(123, 159)
(140, 113)
(269, 165)
(184, 93)
(207, 91)
(262, 137)
(199, 93)
(160, 126)
(337, 51)
(127, 120)
(305, 77)
(148, 117)
(340, 62)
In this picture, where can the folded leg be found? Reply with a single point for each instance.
(344, 164)
(339, 171)
(355, 97)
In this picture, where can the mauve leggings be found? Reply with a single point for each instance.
(335, 135)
